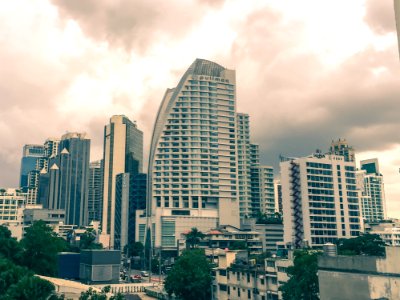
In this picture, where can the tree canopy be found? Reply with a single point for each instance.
(134, 249)
(190, 277)
(194, 237)
(303, 279)
(87, 240)
(9, 246)
(91, 294)
(40, 248)
(367, 244)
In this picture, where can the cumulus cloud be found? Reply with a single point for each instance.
(380, 16)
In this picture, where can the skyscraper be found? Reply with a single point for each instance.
(95, 190)
(371, 184)
(341, 147)
(69, 178)
(30, 155)
(193, 160)
(123, 153)
(320, 200)
(243, 164)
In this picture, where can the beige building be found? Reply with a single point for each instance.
(360, 277)
(12, 204)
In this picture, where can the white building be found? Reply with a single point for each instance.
(12, 204)
(193, 178)
(370, 182)
(321, 202)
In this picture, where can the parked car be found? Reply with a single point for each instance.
(144, 274)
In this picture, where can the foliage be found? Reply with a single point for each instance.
(238, 245)
(155, 265)
(367, 244)
(17, 282)
(263, 218)
(9, 246)
(303, 279)
(41, 245)
(190, 277)
(134, 249)
(193, 238)
(87, 240)
(94, 295)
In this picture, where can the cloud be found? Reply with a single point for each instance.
(380, 16)
(135, 24)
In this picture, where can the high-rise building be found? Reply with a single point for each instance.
(123, 153)
(370, 182)
(278, 196)
(262, 184)
(320, 200)
(69, 178)
(342, 148)
(95, 190)
(243, 164)
(193, 157)
(30, 156)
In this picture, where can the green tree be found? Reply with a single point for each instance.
(238, 245)
(91, 294)
(190, 277)
(87, 240)
(303, 279)
(30, 287)
(194, 237)
(134, 249)
(155, 265)
(41, 246)
(260, 258)
(367, 244)
(9, 246)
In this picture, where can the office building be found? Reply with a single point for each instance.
(30, 155)
(243, 165)
(123, 153)
(342, 148)
(193, 159)
(69, 178)
(95, 190)
(370, 183)
(320, 200)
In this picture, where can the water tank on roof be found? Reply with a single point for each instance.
(330, 249)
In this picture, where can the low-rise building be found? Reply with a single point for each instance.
(360, 277)
(270, 230)
(12, 203)
(99, 266)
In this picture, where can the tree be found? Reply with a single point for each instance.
(260, 258)
(17, 282)
(190, 277)
(134, 249)
(303, 279)
(9, 246)
(367, 244)
(238, 245)
(193, 238)
(87, 240)
(91, 294)
(41, 246)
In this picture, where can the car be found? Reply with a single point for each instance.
(144, 274)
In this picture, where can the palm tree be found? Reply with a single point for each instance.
(193, 238)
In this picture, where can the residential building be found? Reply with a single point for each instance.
(12, 204)
(123, 153)
(243, 165)
(320, 200)
(278, 196)
(95, 190)
(69, 178)
(370, 182)
(237, 277)
(342, 148)
(262, 184)
(193, 179)
(360, 277)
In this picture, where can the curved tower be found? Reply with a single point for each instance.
(193, 162)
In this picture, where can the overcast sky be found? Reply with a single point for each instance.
(307, 71)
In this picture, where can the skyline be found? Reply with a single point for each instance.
(303, 77)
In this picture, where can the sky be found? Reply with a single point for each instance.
(307, 72)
